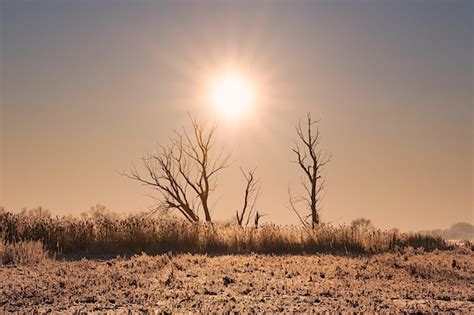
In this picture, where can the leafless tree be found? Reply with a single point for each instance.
(311, 160)
(362, 224)
(184, 172)
(252, 189)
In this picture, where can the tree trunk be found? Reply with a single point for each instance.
(205, 207)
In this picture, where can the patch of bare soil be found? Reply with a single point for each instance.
(410, 281)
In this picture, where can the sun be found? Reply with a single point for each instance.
(232, 96)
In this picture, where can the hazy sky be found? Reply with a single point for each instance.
(89, 86)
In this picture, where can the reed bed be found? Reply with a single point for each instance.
(153, 235)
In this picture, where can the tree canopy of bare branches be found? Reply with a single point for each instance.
(312, 160)
(185, 171)
(252, 189)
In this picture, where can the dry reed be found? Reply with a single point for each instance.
(153, 235)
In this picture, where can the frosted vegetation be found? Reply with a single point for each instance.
(101, 232)
(146, 263)
(407, 280)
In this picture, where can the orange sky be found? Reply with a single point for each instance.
(87, 88)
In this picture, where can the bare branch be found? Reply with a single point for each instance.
(184, 172)
(251, 193)
(292, 207)
(311, 161)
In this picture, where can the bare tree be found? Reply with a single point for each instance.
(99, 211)
(162, 175)
(311, 160)
(362, 224)
(184, 172)
(252, 189)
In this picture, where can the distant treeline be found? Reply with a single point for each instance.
(458, 231)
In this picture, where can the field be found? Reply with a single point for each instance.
(411, 280)
(150, 264)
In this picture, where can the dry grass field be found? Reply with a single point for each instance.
(411, 280)
(74, 265)
(156, 235)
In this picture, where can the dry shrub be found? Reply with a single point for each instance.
(22, 253)
(136, 234)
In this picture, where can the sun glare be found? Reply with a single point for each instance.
(232, 96)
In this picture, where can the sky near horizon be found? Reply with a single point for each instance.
(87, 87)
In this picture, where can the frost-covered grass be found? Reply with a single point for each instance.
(331, 268)
(152, 235)
(410, 280)
(22, 253)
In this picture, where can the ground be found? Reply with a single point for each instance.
(408, 281)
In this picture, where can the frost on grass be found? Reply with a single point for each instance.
(22, 253)
(411, 280)
(135, 234)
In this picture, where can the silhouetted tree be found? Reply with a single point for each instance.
(99, 211)
(250, 197)
(362, 224)
(311, 160)
(184, 172)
